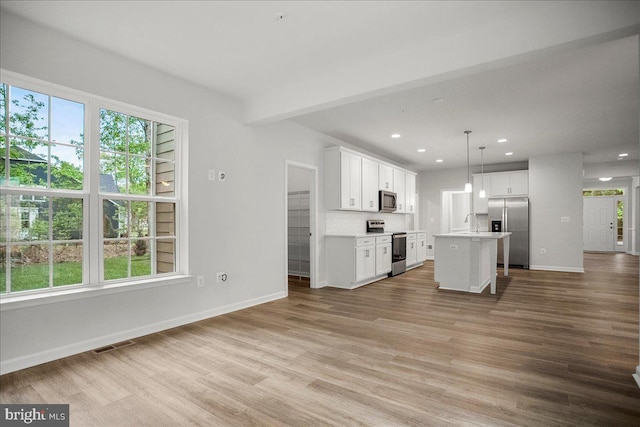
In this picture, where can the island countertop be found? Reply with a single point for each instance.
(481, 234)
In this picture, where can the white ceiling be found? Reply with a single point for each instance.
(551, 77)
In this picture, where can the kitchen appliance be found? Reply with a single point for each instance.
(398, 254)
(511, 214)
(375, 226)
(388, 201)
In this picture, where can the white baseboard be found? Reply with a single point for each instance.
(430, 257)
(555, 268)
(15, 364)
(636, 376)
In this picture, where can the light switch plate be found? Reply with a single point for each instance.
(565, 219)
(212, 175)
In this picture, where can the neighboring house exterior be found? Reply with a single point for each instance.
(31, 207)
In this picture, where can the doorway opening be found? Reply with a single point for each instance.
(300, 224)
(456, 208)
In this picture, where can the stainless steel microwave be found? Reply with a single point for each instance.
(388, 201)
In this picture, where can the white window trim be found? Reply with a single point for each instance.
(91, 285)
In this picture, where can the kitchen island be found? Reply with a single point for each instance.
(468, 261)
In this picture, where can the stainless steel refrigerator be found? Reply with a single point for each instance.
(512, 214)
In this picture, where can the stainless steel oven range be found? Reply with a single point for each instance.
(398, 253)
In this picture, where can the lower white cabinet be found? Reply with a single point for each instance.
(383, 255)
(365, 262)
(412, 249)
(353, 261)
(416, 249)
(421, 243)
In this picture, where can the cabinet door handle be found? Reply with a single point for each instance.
(370, 203)
(385, 251)
(422, 244)
(352, 202)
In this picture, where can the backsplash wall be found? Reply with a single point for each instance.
(345, 222)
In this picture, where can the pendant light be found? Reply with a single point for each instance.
(482, 193)
(468, 187)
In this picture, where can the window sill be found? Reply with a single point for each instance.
(90, 291)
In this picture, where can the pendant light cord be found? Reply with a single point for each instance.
(468, 173)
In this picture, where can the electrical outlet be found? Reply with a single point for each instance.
(543, 251)
(200, 281)
(222, 176)
(212, 175)
(221, 277)
(454, 247)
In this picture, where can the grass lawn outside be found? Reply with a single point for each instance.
(36, 276)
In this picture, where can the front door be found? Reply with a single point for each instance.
(599, 224)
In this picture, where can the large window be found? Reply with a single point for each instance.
(89, 191)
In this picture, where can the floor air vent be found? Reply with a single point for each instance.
(113, 346)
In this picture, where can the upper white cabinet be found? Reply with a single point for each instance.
(509, 183)
(399, 185)
(343, 173)
(499, 184)
(352, 182)
(410, 193)
(369, 185)
(385, 177)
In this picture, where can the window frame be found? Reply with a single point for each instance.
(92, 239)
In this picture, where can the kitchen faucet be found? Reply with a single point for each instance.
(466, 220)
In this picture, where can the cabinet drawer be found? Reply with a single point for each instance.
(422, 236)
(411, 236)
(383, 239)
(362, 241)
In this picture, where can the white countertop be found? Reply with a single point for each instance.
(472, 234)
(386, 233)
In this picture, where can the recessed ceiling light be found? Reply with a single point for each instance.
(502, 140)
(508, 154)
(437, 100)
(605, 178)
(421, 150)
(623, 154)
(439, 161)
(395, 136)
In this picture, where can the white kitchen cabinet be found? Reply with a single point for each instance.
(385, 177)
(365, 262)
(480, 205)
(507, 184)
(421, 244)
(410, 193)
(399, 185)
(383, 255)
(343, 179)
(351, 261)
(369, 185)
(412, 249)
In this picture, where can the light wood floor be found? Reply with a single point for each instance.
(553, 349)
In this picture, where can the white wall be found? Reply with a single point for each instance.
(555, 191)
(236, 227)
